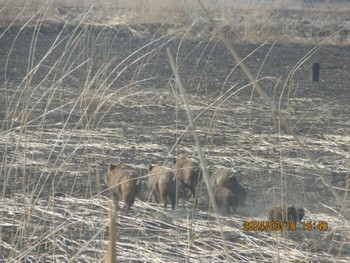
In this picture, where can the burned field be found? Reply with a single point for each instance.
(76, 100)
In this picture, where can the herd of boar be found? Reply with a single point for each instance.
(171, 184)
(165, 184)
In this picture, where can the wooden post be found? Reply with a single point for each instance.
(315, 71)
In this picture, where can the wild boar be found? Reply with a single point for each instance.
(225, 198)
(187, 174)
(123, 184)
(161, 181)
(226, 178)
(301, 214)
(285, 213)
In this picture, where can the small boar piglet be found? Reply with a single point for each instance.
(286, 213)
(225, 198)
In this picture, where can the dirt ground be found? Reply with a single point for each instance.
(78, 100)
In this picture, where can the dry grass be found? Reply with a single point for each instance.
(252, 21)
(156, 234)
(58, 228)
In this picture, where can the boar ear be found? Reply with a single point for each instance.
(111, 167)
(150, 167)
(175, 160)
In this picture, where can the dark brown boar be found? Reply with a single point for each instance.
(226, 178)
(187, 174)
(161, 181)
(285, 213)
(123, 184)
(225, 198)
(301, 214)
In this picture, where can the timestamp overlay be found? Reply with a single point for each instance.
(284, 226)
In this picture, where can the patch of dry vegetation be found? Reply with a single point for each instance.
(245, 21)
(74, 220)
(57, 229)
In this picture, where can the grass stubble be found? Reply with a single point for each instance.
(66, 228)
